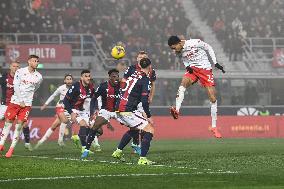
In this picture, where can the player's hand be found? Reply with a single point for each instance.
(150, 99)
(189, 69)
(22, 104)
(73, 117)
(151, 121)
(43, 107)
(110, 127)
(217, 65)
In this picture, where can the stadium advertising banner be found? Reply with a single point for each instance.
(278, 58)
(186, 127)
(48, 53)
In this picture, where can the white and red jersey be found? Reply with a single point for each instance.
(197, 53)
(25, 85)
(61, 90)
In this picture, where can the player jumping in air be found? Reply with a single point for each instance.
(61, 115)
(197, 57)
(26, 81)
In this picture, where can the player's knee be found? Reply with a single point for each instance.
(149, 128)
(212, 98)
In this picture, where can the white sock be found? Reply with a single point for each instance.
(96, 141)
(16, 136)
(180, 97)
(61, 132)
(214, 113)
(46, 135)
(5, 132)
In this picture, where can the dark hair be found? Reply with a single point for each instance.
(33, 56)
(145, 62)
(173, 40)
(85, 71)
(66, 75)
(111, 71)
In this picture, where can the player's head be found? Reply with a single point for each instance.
(86, 77)
(140, 55)
(14, 66)
(145, 64)
(113, 76)
(68, 79)
(33, 61)
(175, 43)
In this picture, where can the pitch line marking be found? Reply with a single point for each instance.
(206, 171)
(109, 175)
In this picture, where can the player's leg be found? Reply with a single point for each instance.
(145, 144)
(187, 80)
(64, 121)
(99, 122)
(211, 91)
(10, 116)
(49, 132)
(26, 132)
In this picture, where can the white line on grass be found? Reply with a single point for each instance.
(205, 171)
(109, 175)
(103, 161)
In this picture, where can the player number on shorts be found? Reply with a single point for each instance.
(210, 78)
(26, 115)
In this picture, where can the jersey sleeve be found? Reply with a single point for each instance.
(145, 95)
(128, 72)
(54, 94)
(208, 49)
(70, 97)
(16, 83)
(153, 76)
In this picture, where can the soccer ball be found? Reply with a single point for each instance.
(118, 52)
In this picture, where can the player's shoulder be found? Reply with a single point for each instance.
(62, 87)
(192, 41)
(131, 68)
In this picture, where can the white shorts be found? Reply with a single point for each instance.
(106, 114)
(140, 108)
(3, 109)
(82, 115)
(132, 119)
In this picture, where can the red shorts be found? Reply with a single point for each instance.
(205, 77)
(15, 111)
(59, 110)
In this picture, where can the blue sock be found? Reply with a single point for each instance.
(90, 138)
(26, 131)
(125, 140)
(145, 144)
(82, 135)
(135, 136)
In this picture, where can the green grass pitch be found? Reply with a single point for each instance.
(226, 163)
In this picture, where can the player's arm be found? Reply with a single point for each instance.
(211, 54)
(144, 98)
(51, 98)
(153, 86)
(38, 84)
(16, 83)
(70, 96)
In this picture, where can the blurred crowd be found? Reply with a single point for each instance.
(234, 20)
(139, 24)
